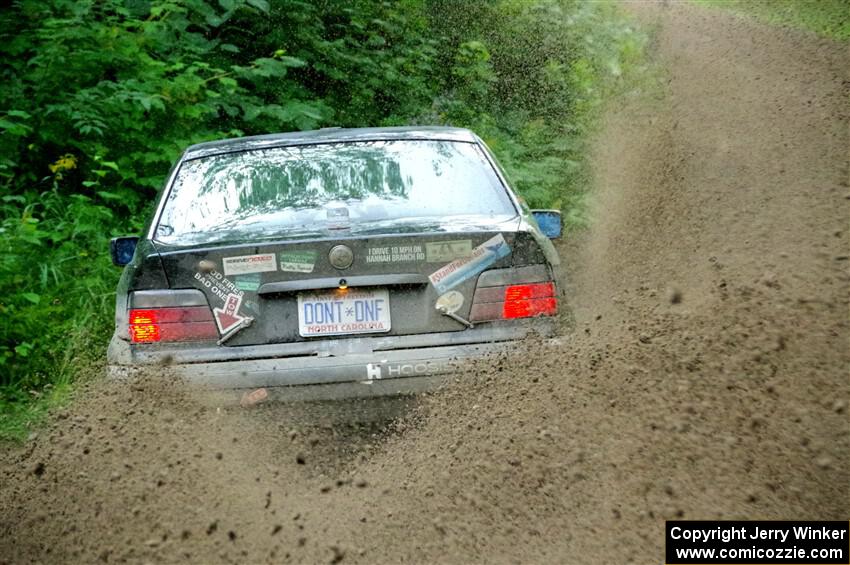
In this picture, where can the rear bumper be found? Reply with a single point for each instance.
(382, 370)
(332, 368)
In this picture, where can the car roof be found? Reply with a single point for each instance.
(328, 135)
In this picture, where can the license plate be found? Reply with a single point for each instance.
(343, 312)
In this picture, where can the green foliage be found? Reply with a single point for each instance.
(53, 278)
(531, 85)
(99, 97)
(829, 18)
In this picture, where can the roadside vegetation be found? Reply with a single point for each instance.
(829, 18)
(98, 98)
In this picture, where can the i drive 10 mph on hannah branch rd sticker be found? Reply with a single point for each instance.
(344, 311)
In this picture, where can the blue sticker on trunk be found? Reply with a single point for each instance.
(464, 268)
(248, 283)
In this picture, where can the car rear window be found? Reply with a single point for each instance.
(375, 185)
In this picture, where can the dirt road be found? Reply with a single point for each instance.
(706, 376)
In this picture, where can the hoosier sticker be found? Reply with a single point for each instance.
(461, 269)
(249, 264)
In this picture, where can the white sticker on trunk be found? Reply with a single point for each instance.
(438, 251)
(249, 264)
(450, 302)
(298, 261)
(462, 269)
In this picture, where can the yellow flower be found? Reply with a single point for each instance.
(64, 163)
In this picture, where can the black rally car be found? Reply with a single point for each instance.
(368, 260)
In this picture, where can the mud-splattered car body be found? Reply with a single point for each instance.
(369, 260)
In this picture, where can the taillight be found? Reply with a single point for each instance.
(186, 323)
(514, 301)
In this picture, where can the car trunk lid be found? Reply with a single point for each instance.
(290, 290)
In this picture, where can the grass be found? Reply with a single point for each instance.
(24, 409)
(21, 412)
(827, 18)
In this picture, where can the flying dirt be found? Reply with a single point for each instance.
(703, 373)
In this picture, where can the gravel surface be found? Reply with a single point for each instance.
(704, 374)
